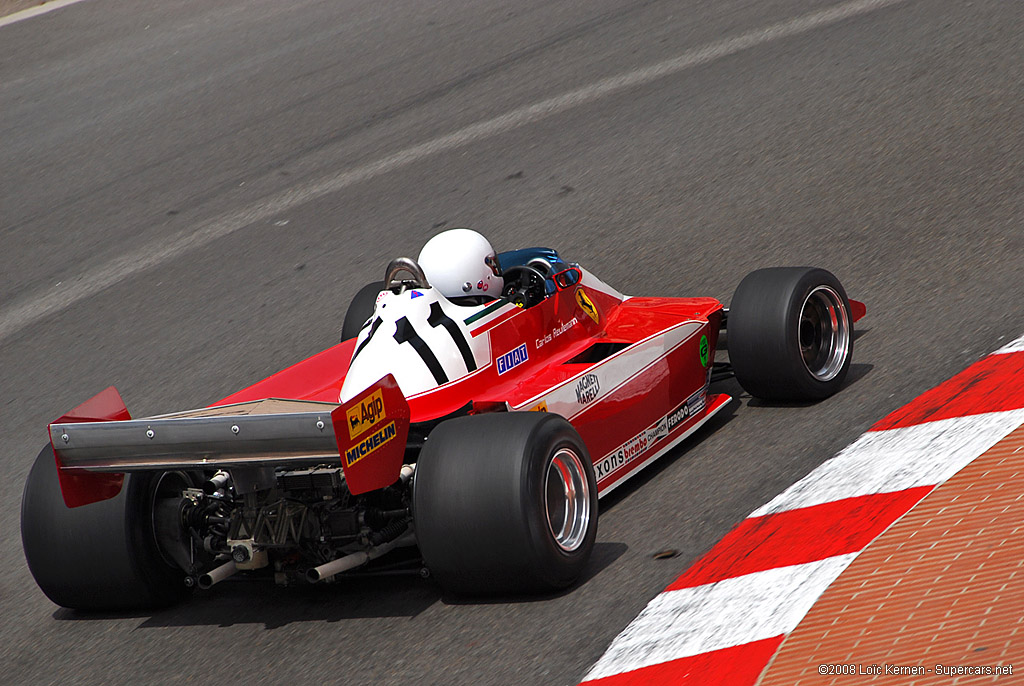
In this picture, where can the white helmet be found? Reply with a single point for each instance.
(461, 262)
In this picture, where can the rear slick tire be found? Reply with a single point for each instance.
(101, 556)
(364, 302)
(790, 334)
(505, 503)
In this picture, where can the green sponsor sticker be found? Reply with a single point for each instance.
(704, 351)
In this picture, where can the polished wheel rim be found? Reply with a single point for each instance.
(824, 333)
(567, 499)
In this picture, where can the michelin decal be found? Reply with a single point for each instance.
(369, 444)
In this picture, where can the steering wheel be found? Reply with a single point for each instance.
(524, 285)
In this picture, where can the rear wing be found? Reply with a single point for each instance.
(94, 449)
(184, 442)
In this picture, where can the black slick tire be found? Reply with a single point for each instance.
(790, 334)
(101, 556)
(360, 309)
(487, 503)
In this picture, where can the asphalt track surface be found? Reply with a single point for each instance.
(190, 194)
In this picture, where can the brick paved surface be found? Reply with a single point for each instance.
(943, 586)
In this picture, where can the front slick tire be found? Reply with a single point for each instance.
(790, 334)
(505, 503)
(101, 556)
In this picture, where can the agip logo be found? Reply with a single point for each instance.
(368, 412)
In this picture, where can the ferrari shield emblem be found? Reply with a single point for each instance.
(587, 305)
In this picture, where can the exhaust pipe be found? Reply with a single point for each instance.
(343, 564)
(215, 482)
(217, 575)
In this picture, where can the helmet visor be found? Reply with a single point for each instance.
(492, 262)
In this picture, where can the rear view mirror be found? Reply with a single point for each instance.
(566, 278)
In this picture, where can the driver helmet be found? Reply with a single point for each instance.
(461, 263)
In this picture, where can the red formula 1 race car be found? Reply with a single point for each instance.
(450, 433)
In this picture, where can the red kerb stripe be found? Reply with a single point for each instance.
(802, 535)
(990, 385)
(736, 666)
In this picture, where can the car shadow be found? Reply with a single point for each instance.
(856, 373)
(239, 601)
(605, 553)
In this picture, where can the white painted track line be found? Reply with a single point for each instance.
(36, 11)
(17, 316)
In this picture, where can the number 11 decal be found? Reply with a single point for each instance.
(439, 318)
(405, 332)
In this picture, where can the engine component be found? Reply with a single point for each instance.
(280, 523)
(320, 482)
(247, 555)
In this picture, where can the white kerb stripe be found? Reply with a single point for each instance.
(1015, 346)
(897, 459)
(691, 621)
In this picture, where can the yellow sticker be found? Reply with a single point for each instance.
(542, 406)
(368, 412)
(369, 444)
(587, 306)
